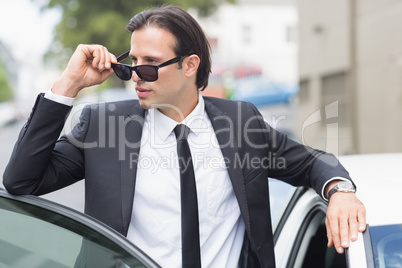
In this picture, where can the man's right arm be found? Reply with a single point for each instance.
(38, 164)
(32, 162)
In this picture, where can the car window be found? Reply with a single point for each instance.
(387, 245)
(32, 236)
(279, 194)
(317, 251)
(310, 248)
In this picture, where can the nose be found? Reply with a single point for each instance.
(135, 77)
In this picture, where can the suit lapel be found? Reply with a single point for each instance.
(129, 149)
(225, 132)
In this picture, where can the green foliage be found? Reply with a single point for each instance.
(6, 92)
(104, 21)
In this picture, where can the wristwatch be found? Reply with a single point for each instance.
(344, 186)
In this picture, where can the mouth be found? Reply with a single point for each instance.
(142, 92)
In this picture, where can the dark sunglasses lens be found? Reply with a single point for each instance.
(122, 72)
(147, 73)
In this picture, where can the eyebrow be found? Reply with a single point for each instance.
(146, 58)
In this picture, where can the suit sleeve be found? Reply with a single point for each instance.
(301, 165)
(40, 163)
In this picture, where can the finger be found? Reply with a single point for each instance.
(353, 225)
(106, 74)
(108, 59)
(335, 232)
(96, 54)
(114, 59)
(361, 217)
(102, 60)
(344, 232)
(330, 242)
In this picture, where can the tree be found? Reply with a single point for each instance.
(104, 21)
(6, 92)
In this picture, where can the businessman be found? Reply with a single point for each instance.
(130, 154)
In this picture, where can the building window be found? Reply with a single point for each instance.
(291, 35)
(304, 91)
(246, 34)
(334, 88)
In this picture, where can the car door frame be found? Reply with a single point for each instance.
(361, 252)
(83, 219)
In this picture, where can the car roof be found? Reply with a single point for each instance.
(378, 178)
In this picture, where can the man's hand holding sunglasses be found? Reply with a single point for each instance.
(89, 65)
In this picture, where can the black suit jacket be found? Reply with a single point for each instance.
(103, 146)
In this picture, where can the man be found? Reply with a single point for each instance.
(123, 150)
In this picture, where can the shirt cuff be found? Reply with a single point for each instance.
(59, 98)
(325, 185)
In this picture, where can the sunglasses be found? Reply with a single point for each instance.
(147, 72)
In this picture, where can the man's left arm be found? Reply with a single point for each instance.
(305, 166)
(346, 216)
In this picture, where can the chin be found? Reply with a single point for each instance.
(144, 104)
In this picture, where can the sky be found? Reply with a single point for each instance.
(28, 33)
(25, 30)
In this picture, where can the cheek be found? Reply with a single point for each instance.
(171, 80)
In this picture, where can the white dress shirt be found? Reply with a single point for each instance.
(156, 219)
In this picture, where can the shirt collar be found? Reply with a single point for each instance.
(165, 125)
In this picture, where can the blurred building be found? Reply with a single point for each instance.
(350, 64)
(254, 37)
(254, 56)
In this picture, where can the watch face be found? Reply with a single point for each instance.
(346, 186)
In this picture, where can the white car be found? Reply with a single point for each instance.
(299, 218)
(35, 232)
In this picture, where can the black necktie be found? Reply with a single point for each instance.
(190, 237)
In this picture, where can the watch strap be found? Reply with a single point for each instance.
(332, 191)
(337, 188)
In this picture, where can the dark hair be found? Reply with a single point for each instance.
(190, 38)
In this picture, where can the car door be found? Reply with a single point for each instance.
(39, 233)
(301, 240)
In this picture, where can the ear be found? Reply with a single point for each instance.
(190, 65)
